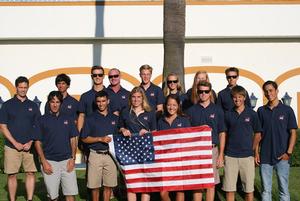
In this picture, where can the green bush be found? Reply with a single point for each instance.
(296, 153)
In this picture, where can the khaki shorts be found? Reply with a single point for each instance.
(101, 170)
(243, 166)
(13, 160)
(215, 155)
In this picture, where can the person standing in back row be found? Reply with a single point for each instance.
(224, 99)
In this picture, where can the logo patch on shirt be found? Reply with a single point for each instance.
(152, 94)
(212, 116)
(113, 123)
(179, 125)
(69, 106)
(247, 119)
(66, 122)
(123, 97)
(281, 117)
(146, 118)
(30, 109)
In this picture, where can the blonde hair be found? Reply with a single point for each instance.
(146, 67)
(166, 89)
(145, 104)
(194, 96)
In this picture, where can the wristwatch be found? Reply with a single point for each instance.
(289, 154)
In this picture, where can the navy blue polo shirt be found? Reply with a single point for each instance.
(68, 107)
(178, 122)
(55, 133)
(276, 124)
(87, 103)
(134, 123)
(118, 100)
(98, 125)
(154, 95)
(19, 117)
(240, 130)
(212, 115)
(225, 100)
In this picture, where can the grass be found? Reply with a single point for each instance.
(40, 192)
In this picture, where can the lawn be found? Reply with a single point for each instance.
(40, 192)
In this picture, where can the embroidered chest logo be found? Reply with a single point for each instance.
(146, 118)
(152, 94)
(30, 109)
(179, 125)
(212, 116)
(69, 106)
(66, 122)
(247, 119)
(281, 117)
(123, 97)
(113, 123)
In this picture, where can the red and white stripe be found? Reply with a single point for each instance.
(183, 161)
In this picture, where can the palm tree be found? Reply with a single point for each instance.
(174, 37)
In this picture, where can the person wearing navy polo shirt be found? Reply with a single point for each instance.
(173, 118)
(277, 144)
(17, 117)
(224, 99)
(153, 93)
(70, 105)
(87, 106)
(55, 142)
(242, 137)
(207, 113)
(118, 96)
(137, 118)
(102, 169)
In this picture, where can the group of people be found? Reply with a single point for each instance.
(241, 137)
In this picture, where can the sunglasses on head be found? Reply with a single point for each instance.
(172, 81)
(203, 91)
(97, 75)
(113, 76)
(231, 76)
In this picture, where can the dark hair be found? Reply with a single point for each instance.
(63, 78)
(234, 69)
(101, 94)
(205, 84)
(97, 68)
(21, 79)
(177, 99)
(269, 82)
(238, 90)
(53, 94)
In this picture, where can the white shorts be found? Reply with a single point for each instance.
(59, 176)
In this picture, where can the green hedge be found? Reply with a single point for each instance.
(295, 157)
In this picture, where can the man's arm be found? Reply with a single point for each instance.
(292, 141)
(46, 165)
(222, 139)
(255, 147)
(80, 121)
(90, 140)
(10, 138)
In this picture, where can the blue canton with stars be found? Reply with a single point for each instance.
(135, 149)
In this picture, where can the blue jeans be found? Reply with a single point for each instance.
(282, 171)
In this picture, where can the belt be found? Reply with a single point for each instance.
(99, 151)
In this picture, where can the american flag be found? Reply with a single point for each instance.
(170, 160)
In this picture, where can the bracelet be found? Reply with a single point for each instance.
(289, 154)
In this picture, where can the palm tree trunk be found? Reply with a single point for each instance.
(174, 38)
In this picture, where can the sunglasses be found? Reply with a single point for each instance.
(231, 76)
(113, 76)
(172, 81)
(97, 75)
(203, 91)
